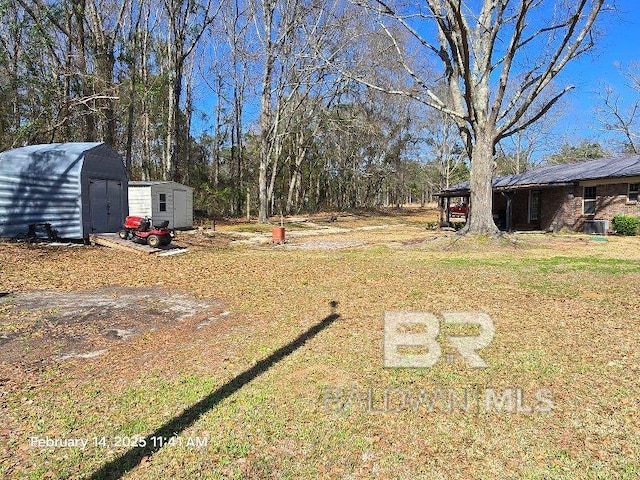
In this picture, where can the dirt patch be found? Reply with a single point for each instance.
(42, 326)
(318, 245)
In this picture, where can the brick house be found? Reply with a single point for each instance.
(580, 196)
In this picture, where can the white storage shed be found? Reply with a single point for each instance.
(162, 201)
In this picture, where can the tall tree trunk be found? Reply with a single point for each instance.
(167, 167)
(133, 83)
(267, 130)
(178, 144)
(481, 201)
(146, 121)
(294, 189)
(218, 136)
(105, 63)
(130, 119)
(83, 73)
(185, 154)
(262, 192)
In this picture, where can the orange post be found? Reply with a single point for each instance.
(277, 235)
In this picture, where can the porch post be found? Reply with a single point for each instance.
(466, 213)
(508, 214)
(447, 215)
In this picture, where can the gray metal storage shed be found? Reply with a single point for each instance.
(80, 188)
(161, 201)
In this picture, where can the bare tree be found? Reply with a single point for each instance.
(515, 154)
(498, 58)
(82, 41)
(105, 19)
(187, 20)
(12, 53)
(287, 31)
(624, 120)
(134, 47)
(444, 147)
(237, 28)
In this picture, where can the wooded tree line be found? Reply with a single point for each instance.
(280, 123)
(275, 85)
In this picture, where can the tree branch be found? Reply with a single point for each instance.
(547, 106)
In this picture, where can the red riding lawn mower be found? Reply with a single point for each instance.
(458, 210)
(139, 229)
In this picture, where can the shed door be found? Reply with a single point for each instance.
(105, 201)
(179, 208)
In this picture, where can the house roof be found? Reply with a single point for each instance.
(558, 175)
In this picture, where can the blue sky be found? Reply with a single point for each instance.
(617, 48)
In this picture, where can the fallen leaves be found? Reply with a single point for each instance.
(562, 323)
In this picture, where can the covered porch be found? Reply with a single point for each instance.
(525, 208)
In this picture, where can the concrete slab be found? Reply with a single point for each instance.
(113, 240)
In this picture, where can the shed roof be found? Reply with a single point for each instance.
(149, 183)
(60, 158)
(558, 175)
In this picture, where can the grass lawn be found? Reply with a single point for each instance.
(559, 399)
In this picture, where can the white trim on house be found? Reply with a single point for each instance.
(608, 181)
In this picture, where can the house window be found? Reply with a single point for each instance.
(534, 206)
(163, 202)
(589, 201)
(632, 196)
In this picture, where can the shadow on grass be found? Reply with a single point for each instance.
(132, 458)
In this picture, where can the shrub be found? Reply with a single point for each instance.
(455, 225)
(626, 224)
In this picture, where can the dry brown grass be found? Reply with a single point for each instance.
(566, 311)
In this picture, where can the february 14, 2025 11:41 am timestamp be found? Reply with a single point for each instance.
(134, 441)
(153, 441)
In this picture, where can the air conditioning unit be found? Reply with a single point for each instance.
(600, 227)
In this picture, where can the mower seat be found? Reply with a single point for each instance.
(144, 225)
(164, 224)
